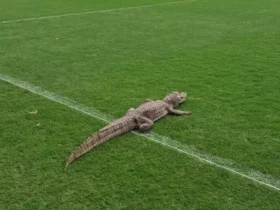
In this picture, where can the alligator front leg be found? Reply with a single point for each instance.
(177, 112)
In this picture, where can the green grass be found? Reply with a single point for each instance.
(224, 53)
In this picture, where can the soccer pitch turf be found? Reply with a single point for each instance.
(82, 63)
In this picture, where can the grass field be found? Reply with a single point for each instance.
(96, 59)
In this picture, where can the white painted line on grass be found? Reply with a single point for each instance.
(256, 176)
(92, 12)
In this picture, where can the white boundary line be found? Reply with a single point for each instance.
(153, 137)
(92, 12)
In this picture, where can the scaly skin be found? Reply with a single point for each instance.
(141, 118)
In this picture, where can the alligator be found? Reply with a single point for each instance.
(141, 118)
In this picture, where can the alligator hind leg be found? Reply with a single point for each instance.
(144, 123)
(128, 111)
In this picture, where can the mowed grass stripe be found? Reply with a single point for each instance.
(92, 12)
(256, 176)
